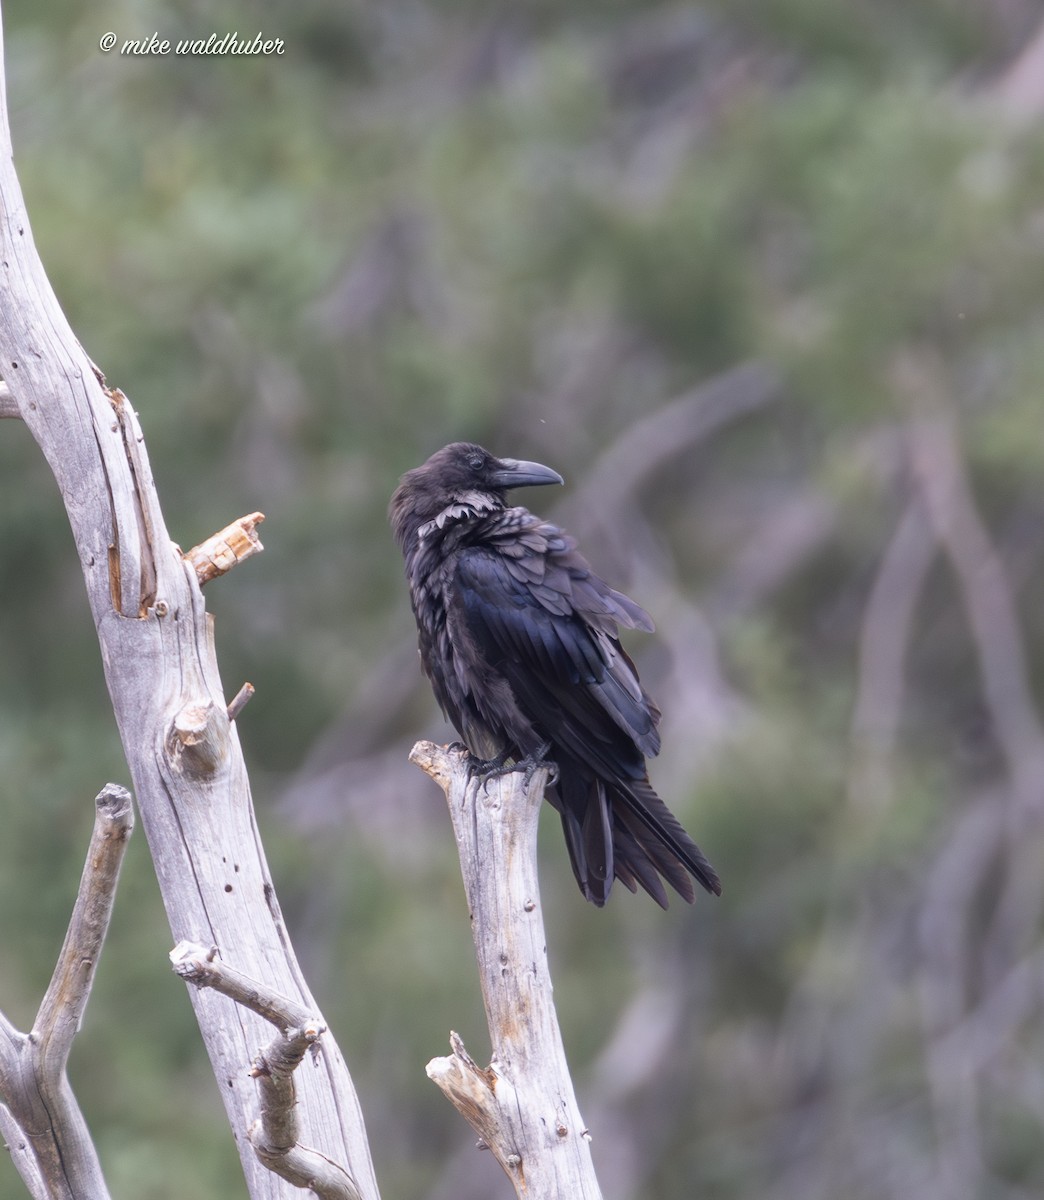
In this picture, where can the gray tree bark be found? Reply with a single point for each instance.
(182, 749)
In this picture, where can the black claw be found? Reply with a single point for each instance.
(533, 765)
(489, 768)
(493, 768)
(535, 762)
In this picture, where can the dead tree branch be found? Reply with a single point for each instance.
(522, 1105)
(183, 753)
(42, 1122)
(275, 1136)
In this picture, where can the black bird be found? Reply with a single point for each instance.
(519, 639)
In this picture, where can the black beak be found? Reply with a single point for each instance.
(511, 473)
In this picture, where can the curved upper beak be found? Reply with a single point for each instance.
(513, 473)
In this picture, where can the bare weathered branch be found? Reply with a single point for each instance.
(522, 1105)
(203, 967)
(64, 1003)
(52, 1146)
(275, 1135)
(184, 757)
(227, 548)
(609, 488)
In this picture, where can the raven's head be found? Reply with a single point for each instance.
(458, 481)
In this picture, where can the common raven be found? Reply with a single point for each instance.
(519, 639)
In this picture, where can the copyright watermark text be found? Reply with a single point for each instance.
(215, 43)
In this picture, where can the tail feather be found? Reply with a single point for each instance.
(641, 803)
(637, 862)
(588, 835)
(624, 830)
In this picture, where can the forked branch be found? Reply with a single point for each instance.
(275, 1134)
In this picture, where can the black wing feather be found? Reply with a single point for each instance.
(555, 642)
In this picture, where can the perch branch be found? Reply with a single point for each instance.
(52, 1146)
(522, 1105)
(226, 549)
(275, 1135)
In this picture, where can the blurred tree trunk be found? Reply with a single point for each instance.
(181, 746)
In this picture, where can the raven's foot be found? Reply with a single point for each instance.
(489, 768)
(537, 762)
(493, 768)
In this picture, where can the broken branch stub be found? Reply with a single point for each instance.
(222, 551)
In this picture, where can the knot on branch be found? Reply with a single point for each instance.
(197, 742)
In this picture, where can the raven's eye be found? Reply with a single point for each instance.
(476, 462)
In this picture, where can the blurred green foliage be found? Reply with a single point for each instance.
(535, 227)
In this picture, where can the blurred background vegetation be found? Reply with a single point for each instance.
(766, 284)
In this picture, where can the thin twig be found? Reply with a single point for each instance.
(201, 966)
(240, 700)
(997, 633)
(62, 1009)
(941, 474)
(609, 487)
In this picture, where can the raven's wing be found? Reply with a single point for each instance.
(548, 624)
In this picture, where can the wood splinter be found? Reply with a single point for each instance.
(224, 549)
